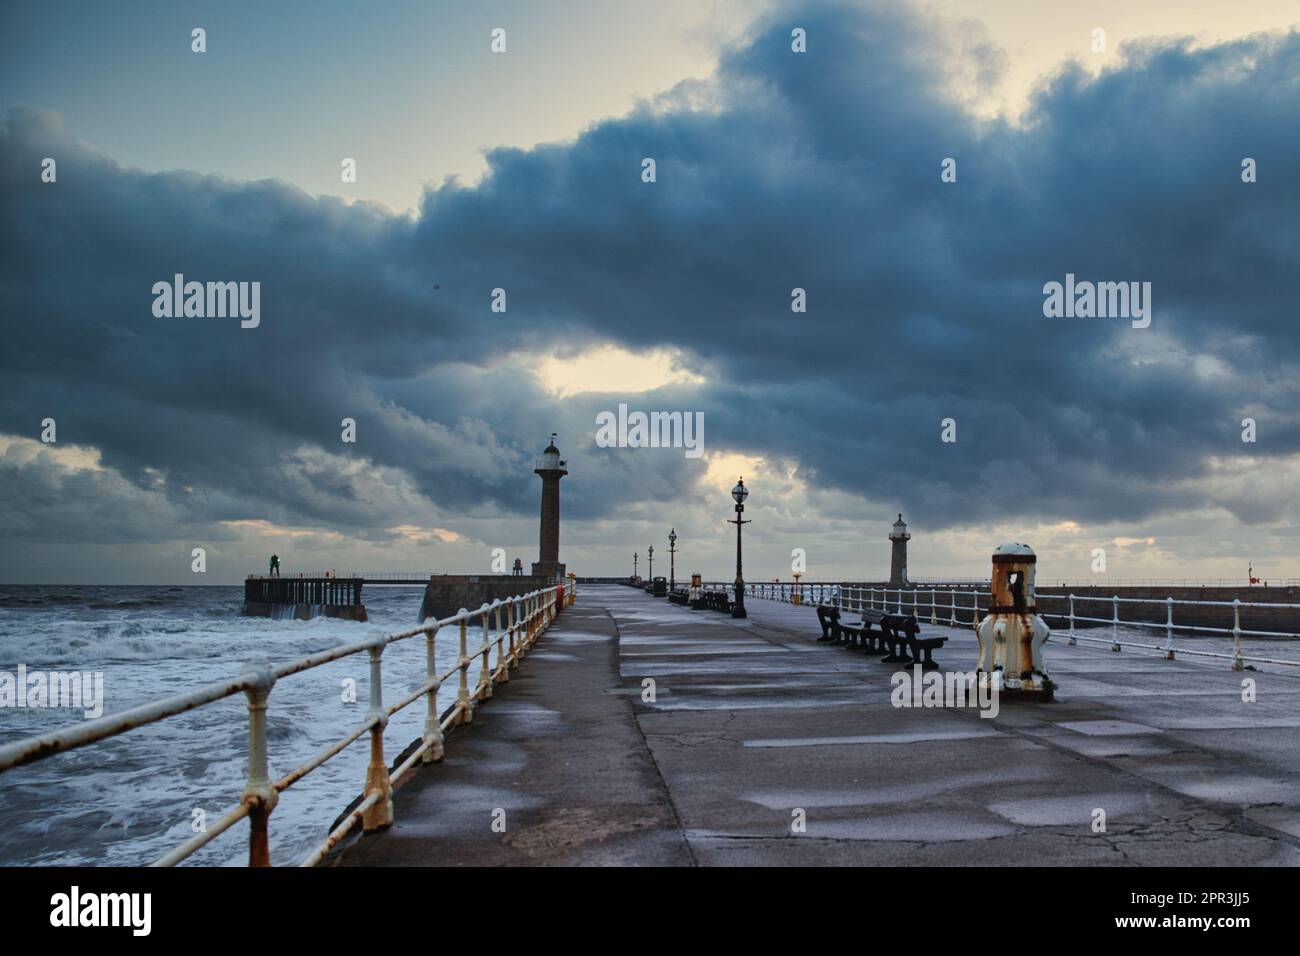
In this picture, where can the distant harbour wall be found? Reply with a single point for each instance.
(445, 594)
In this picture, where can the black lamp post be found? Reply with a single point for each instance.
(672, 559)
(651, 555)
(634, 557)
(740, 493)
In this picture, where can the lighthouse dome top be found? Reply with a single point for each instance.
(1019, 550)
(900, 523)
(550, 460)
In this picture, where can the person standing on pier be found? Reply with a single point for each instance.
(275, 566)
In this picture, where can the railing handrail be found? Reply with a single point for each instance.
(527, 616)
(902, 598)
(925, 583)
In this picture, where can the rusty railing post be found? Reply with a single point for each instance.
(1169, 629)
(260, 794)
(525, 624)
(501, 673)
(465, 707)
(381, 814)
(513, 660)
(484, 689)
(433, 742)
(1114, 623)
(1237, 663)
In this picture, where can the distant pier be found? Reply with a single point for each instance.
(303, 598)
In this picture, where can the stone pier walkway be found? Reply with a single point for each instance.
(755, 725)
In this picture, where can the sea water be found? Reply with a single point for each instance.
(129, 799)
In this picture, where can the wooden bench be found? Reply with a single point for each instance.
(879, 631)
(841, 633)
(680, 596)
(851, 633)
(873, 641)
(903, 634)
(714, 601)
(828, 616)
(923, 647)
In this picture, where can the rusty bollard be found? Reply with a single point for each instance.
(1011, 637)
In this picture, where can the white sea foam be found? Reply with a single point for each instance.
(129, 799)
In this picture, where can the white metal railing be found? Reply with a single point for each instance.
(416, 577)
(1238, 656)
(1172, 583)
(952, 605)
(526, 617)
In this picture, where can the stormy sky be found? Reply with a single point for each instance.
(775, 170)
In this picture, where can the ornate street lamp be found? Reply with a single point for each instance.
(651, 555)
(740, 493)
(672, 559)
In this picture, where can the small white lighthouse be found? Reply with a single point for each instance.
(899, 536)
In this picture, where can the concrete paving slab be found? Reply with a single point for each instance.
(764, 747)
(564, 760)
(884, 786)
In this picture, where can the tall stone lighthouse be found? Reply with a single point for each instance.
(898, 558)
(552, 468)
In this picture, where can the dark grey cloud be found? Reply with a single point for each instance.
(819, 171)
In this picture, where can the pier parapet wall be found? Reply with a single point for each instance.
(445, 594)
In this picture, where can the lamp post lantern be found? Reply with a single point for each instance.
(740, 493)
(672, 559)
(650, 553)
